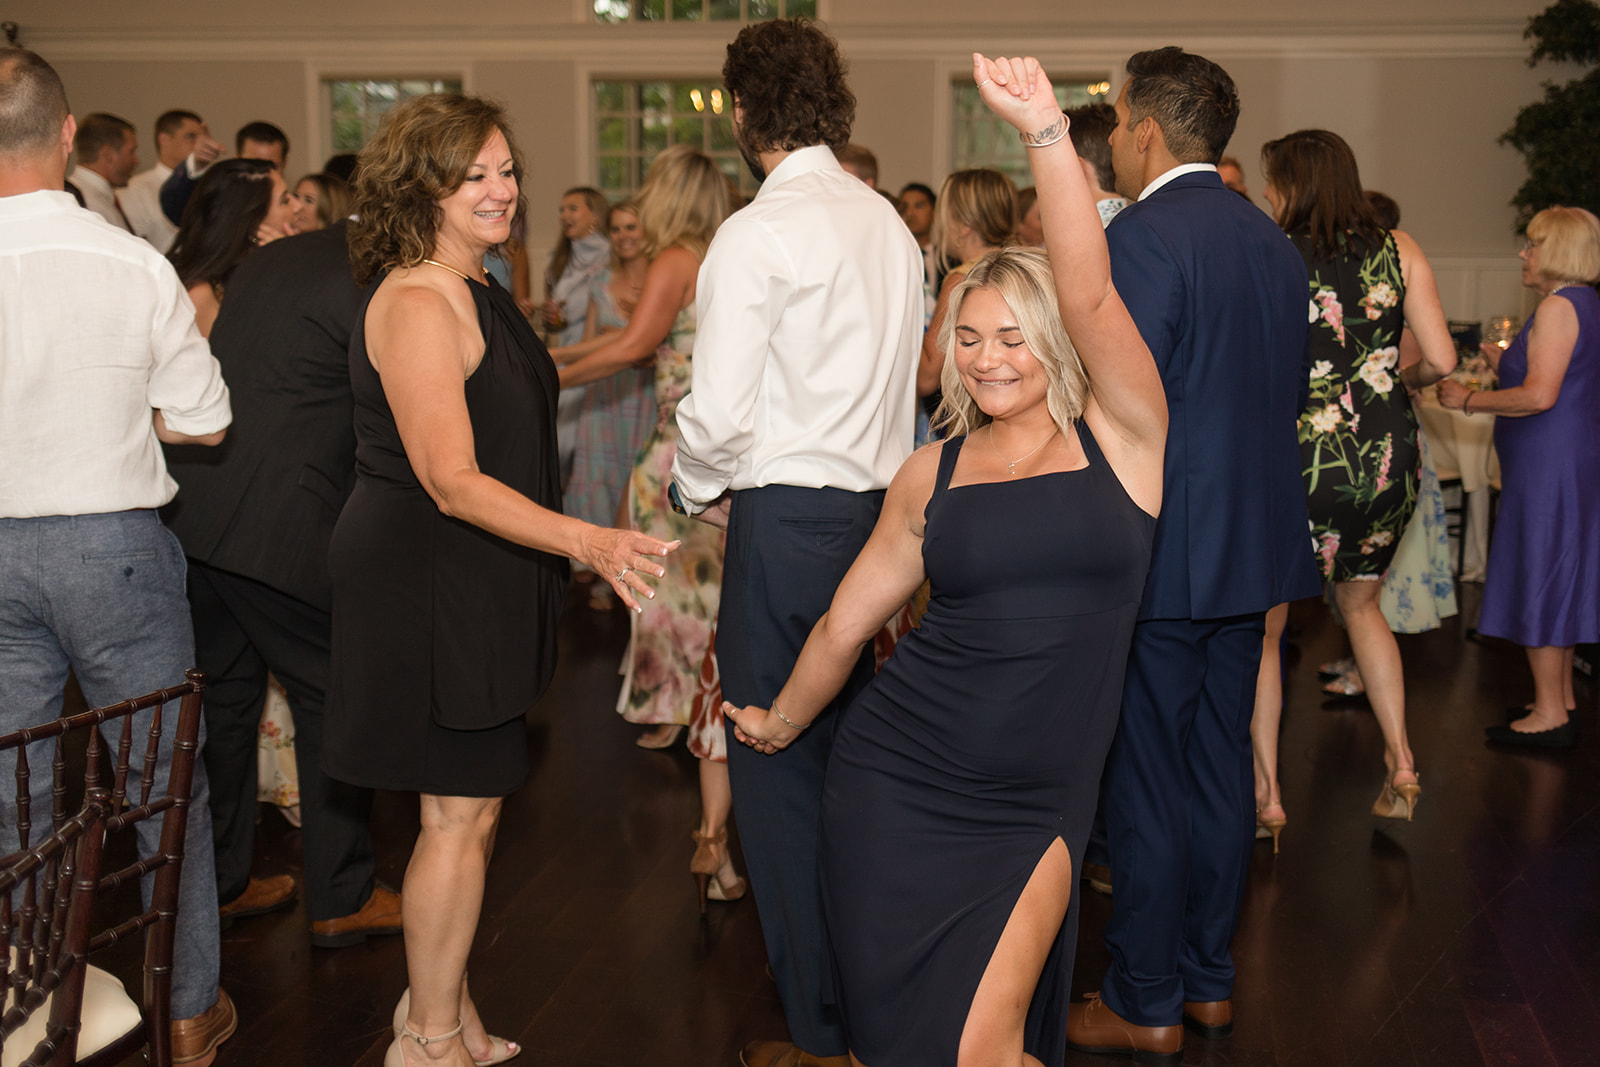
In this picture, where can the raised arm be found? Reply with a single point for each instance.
(878, 584)
(1424, 315)
(668, 286)
(1126, 385)
(424, 345)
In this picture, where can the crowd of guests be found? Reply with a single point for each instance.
(746, 424)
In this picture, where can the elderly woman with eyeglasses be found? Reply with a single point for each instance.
(1543, 584)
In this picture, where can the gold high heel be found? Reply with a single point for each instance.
(1398, 801)
(1274, 827)
(501, 1049)
(713, 871)
(396, 1056)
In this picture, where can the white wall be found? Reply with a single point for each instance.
(1421, 90)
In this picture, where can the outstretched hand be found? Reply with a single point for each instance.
(759, 728)
(1018, 91)
(623, 557)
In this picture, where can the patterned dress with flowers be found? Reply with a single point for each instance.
(1358, 435)
(670, 637)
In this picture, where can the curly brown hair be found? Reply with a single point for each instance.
(421, 155)
(788, 82)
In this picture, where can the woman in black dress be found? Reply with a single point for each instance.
(963, 781)
(449, 561)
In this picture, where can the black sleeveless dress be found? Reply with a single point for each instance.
(444, 635)
(979, 743)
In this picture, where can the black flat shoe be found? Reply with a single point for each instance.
(1563, 736)
(1516, 713)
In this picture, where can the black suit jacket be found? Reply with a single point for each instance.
(264, 503)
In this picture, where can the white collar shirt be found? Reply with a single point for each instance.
(96, 334)
(99, 197)
(1176, 172)
(809, 309)
(141, 202)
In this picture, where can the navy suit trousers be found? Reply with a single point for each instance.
(1180, 814)
(788, 548)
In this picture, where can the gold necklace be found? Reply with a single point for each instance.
(1011, 464)
(452, 270)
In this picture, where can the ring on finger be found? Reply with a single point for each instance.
(985, 81)
(623, 573)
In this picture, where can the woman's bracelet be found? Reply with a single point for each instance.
(1047, 136)
(791, 723)
(1464, 410)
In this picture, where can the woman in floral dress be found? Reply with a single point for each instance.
(1358, 435)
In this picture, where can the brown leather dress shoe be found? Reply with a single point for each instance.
(195, 1040)
(379, 915)
(1093, 1027)
(783, 1054)
(1098, 875)
(1210, 1019)
(260, 896)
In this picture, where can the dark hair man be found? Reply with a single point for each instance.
(178, 135)
(102, 364)
(255, 140)
(810, 319)
(1230, 543)
(108, 153)
(1090, 131)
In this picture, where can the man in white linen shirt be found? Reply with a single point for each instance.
(801, 410)
(100, 361)
(178, 134)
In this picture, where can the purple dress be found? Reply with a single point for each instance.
(1543, 585)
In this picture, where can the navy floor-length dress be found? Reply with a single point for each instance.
(980, 742)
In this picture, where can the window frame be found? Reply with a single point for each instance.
(321, 74)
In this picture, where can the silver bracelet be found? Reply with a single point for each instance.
(1030, 139)
(791, 723)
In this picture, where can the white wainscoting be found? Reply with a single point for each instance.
(1478, 288)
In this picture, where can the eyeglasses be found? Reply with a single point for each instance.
(1529, 246)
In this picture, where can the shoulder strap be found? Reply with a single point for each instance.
(947, 463)
(1091, 447)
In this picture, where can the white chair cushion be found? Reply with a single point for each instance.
(108, 1014)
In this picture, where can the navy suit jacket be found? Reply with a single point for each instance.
(1220, 295)
(263, 504)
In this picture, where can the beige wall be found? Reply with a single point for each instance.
(1421, 90)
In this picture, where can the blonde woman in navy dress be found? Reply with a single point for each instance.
(963, 781)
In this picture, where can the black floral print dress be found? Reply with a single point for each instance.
(1358, 435)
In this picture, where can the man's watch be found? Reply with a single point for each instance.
(675, 500)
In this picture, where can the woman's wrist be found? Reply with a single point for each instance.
(1466, 401)
(799, 727)
(1049, 135)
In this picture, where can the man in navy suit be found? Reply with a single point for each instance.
(1219, 294)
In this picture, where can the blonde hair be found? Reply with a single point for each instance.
(1022, 278)
(985, 200)
(684, 200)
(1568, 239)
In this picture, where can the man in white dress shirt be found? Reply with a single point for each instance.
(101, 362)
(108, 154)
(809, 309)
(178, 134)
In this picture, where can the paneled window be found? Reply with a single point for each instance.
(701, 10)
(356, 105)
(635, 120)
(979, 139)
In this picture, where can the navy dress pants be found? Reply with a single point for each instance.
(788, 548)
(1180, 814)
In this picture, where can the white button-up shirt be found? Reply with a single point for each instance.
(141, 202)
(96, 333)
(809, 308)
(99, 197)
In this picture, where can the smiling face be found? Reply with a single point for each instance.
(478, 215)
(993, 359)
(303, 202)
(577, 218)
(627, 240)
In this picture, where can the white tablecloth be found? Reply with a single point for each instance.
(1463, 447)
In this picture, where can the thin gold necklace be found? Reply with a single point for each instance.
(1011, 464)
(452, 270)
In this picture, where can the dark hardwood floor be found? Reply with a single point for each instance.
(1470, 936)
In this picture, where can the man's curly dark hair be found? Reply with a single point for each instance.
(787, 78)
